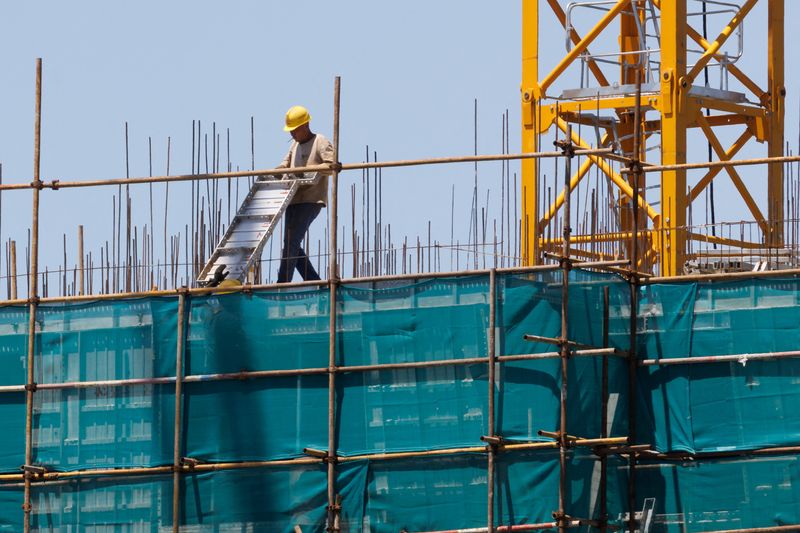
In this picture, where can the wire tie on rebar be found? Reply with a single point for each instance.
(31, 387)
(54, 185)
(27, 507)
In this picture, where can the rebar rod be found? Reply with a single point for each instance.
(13, 269)
(34, 275)
(81, 272)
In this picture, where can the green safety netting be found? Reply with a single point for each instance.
(720, 406)
(715, 495)
(706, 407)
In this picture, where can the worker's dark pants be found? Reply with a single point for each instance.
(298, 219)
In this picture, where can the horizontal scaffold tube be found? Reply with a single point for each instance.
(187, 468)
(200, 291)
(572, 523)
(729, 358)
(214, 467)
(718, 164)
(57, 184)
(290, 372)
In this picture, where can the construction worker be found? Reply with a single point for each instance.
(307, 149)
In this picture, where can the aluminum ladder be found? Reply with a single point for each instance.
(250, 229)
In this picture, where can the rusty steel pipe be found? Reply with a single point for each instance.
(490, 466)
(564, 342)
(333, 279)
(718, 164)
(34, 274)
(58, 184)
(732, 358)
(176, 455)
(600, 265)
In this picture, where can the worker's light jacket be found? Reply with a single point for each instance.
(315, 151)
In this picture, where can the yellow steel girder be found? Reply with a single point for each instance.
(676, 107)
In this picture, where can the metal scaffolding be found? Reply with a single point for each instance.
(561, 439)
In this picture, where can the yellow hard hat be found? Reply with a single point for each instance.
(296, 117)
(229, 283)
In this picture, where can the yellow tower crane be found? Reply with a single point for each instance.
(655, 44)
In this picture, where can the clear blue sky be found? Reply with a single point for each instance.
(410, 72)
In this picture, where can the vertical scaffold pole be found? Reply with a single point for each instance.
(561, 518)
(492, 364)
(176, 452)
(33, 299)
(636, 168)
(604, 417)
(333, 283)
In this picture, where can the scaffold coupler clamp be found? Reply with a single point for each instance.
(188, 462)
(330, 459)
(561, 518)
(33, 471)
(566, 146)
(635, 166)
(493, 442)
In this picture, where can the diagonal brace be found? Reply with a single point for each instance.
(712, 50)
(734, 174)
(576, 39)
(606, 169)
(581, 46)
(712, 173)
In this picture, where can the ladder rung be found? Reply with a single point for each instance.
(253, 217)
(233, 249)
(254, 222)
